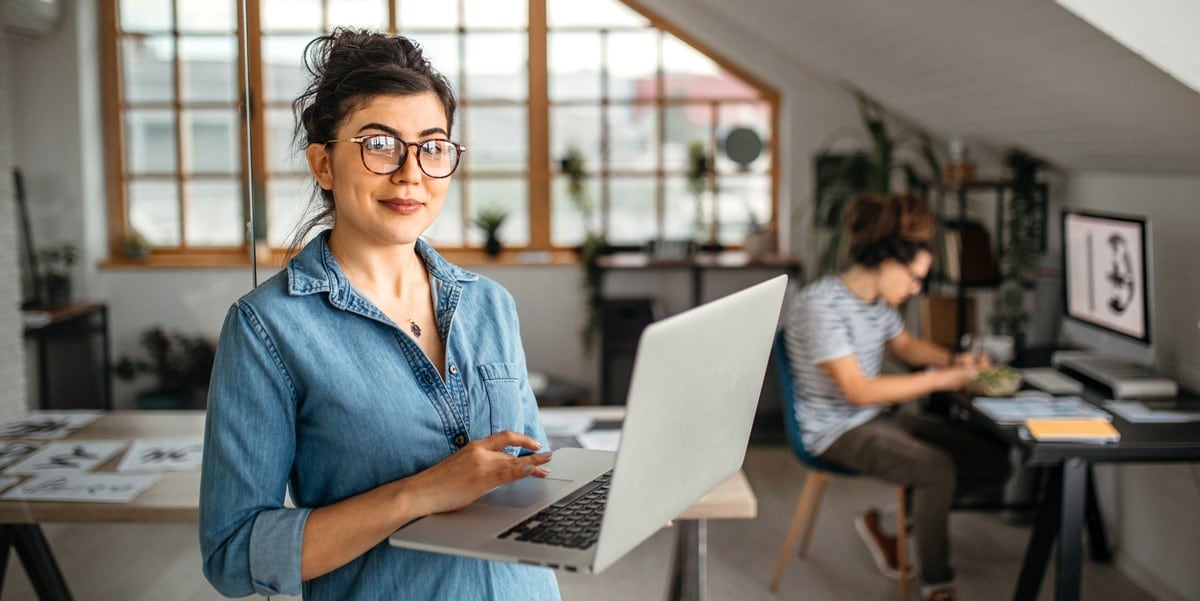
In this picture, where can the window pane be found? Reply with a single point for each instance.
(568, 224)
(291, 15)
(632, 65)
(497, 66)
(447, 229)
(681, 59)
(281, 156)
(633, 137)
(288, 204)
(510, 194)
(147, 65)
(496, 13)
(209, 68)
(212, 141)
(738, 198)
(283, 71)
(497, 138)
(441, 50)
(371, 14)
(214, 213)
(207, 15)
(154, 211)
(574, 63)
(631, 213)
(755, 117)
(149, 141)
(145, 15)
(423, 14)
(682, 212)
(593, 13)
(686, 124)
(576, 127)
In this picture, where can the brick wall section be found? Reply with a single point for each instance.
(12, 350)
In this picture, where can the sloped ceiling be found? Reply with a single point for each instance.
(1014, 72)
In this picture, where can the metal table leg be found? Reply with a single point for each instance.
(35, 554)
(1068, 567)
(689, 572)
(1041, 541)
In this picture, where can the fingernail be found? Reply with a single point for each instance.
(545, 471)
(537, 445)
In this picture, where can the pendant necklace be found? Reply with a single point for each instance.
(414, 328)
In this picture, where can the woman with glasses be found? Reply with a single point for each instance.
(837, 331)
(371, 379)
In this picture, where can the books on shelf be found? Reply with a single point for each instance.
(1015, 410)
(1088, 429)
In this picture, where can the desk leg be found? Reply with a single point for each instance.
(39, 562)
(1097, 539)
(1041, 542)
(1068, 569)
(689, 572)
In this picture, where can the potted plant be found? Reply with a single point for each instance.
(57, 262)
(574, 167)
(869, 170)
(180, 364)
(699, 183)
(490, 220)
(134, 245)
(1022, 244)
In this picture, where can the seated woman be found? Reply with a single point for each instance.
(372, 379)
(838, 329)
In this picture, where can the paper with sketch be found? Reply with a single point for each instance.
(163, 455)
(13, 450)
(7, 481)
(73, 456)
(565, 423)
(1015, 410)
(97, 488)
(48, 424)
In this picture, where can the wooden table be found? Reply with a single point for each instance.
(175, 499)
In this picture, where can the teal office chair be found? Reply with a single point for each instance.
(818, 476)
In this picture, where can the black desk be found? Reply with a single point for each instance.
(71, 322)
(1066, 497)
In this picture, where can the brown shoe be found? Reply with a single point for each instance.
(941, 593)
(881, 546)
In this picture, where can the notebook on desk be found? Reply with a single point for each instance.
(692, 400)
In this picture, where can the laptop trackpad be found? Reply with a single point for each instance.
(523, 492)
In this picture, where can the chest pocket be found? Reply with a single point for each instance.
(502, 387)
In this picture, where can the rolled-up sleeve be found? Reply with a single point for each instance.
(250, 542)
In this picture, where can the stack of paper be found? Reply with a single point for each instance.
(1004, 410)
(1072, 430)
(1138, 412)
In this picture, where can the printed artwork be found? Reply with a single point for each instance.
(48, 424)
(14, 450)
(73, 456)
(99, 488)
(162, 455)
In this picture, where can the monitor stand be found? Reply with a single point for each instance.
(1126, 380)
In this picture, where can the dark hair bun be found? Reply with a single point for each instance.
(895, 226)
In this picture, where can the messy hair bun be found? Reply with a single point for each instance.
(896, 226)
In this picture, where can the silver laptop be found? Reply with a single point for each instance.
(692, 398)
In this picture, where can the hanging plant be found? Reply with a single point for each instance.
(574, 167)
(1023, 242)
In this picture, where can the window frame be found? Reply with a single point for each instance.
(252, 170)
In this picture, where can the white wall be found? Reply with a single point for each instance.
(12, 354)
(1151, 510)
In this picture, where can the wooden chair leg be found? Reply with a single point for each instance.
(814, 483)
(902, 541)
(810, 521)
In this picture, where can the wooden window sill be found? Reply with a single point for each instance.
(218, 259)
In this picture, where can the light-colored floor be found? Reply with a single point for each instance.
(162, 562)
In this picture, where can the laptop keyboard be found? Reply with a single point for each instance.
(572, 521)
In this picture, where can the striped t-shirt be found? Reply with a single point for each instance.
(827, 321)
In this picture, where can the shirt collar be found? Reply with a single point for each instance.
(315, 270)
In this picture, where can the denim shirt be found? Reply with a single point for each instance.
(315, 390)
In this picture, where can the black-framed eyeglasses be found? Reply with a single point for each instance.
(383, 154)
(917, 280)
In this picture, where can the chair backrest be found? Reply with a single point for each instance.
(791, 420)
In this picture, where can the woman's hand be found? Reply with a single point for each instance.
(970, 361)
(473, 470)
(954, 378)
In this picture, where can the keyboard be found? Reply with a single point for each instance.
(572, 521)
(1051, 380)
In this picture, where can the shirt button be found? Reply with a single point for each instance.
(460, 440)
(453, 369)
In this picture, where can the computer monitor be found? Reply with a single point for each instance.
(1108, 289)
